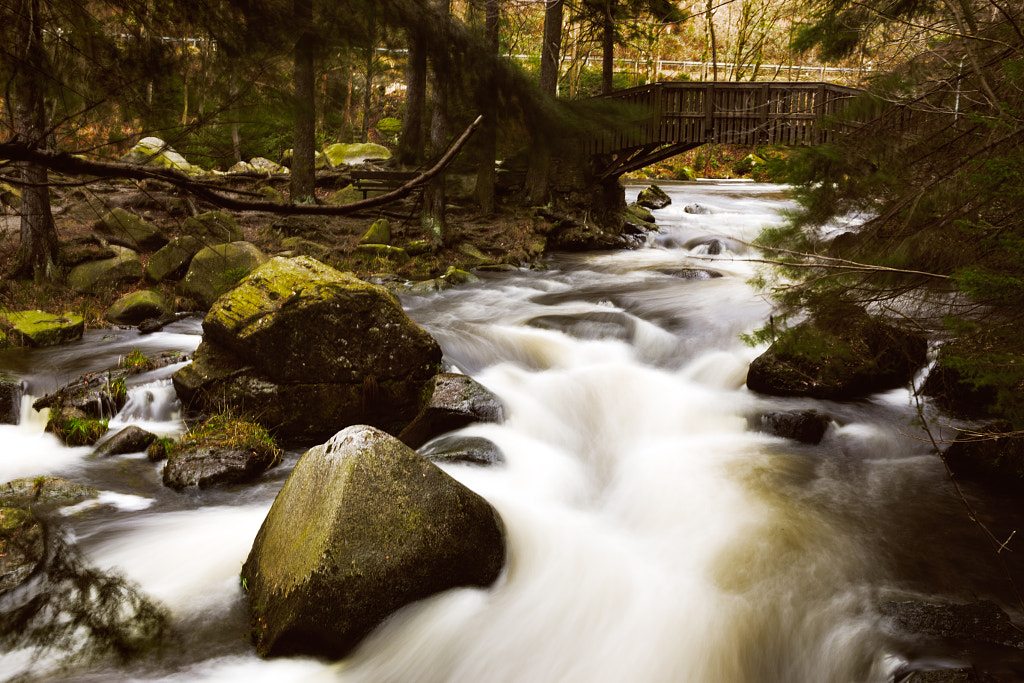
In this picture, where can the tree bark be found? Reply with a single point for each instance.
(410, 145)
(486, 175)
(710, 16)
(433, 218)
(371, 58)
(607, 49)
(550, 56)
(303, 171)
(37, 250)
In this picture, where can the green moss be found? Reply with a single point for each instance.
(136, 362)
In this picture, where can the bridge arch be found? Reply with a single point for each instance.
(676, 116)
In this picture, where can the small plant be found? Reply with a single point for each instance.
(135, 362)
(76, 431)
(225, 430)
(118, 390)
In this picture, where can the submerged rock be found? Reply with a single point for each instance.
(362, 527)
(474, 450)
(805, 426)
(452, 401)
(842, 358)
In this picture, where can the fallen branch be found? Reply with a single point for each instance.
(62, 162)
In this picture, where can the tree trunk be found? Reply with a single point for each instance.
(710, 16)
(303, 171)
(37, 251)
(486, 175)
(410, 145)
(607, 50)
(552, 51)
(433, 218)
(371, 58)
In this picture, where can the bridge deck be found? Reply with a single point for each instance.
(673, 117)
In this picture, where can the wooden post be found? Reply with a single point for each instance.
(709, 111)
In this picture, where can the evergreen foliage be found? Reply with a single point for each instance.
(929, 184)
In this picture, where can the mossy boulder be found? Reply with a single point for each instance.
(845, 356)
(96, 277)
(74, 427)
(653, 197)
(298, 246)
(135, 307)
(213, 227)
(216, 269)
(395, 255)
(171, 261)
(153, 151)
(310, 350)
(451, 401)
(340, 154)
(12, 390)
(10, 196)
(747, 164)
(48, 492)
(362, 527)
(128, 230)
(36, 328)
(379, 233)
(952, 391)
(264, 165)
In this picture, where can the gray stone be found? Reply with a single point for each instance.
(653, 197)
(131, 439)
(12, 389)
(171, 261)
(452, 401)
(96, 277)
(362, 527)
(128, 230)
(215, 270)
(474, 450)
(213, 227)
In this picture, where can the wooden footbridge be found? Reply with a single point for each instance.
(674, 117)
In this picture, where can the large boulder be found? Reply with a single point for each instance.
(310, 350)
(95, 277)
(128, 230)
(213, 227)
(340, 154)
(135, 307)
(171, 261)
(215, 269)
(451, 401)
(362, 527)
(838, 358)
(36, 328)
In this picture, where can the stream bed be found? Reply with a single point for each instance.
(654, 533)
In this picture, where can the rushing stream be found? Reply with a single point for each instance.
(653, 533)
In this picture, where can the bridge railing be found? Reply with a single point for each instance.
(694, 113)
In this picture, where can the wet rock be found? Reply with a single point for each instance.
(45, 491)
(451, 401)
(72, 426)
(362, 527)
(474, 450)
(131, 439)
(135, 307)
(96, 395)
(310, 350)
(840, 358)
(206, 466)
(12, 390)
(22, 546)
(36, 328)
(653, 197)
(128, 230)
(978, 634)
(697, 209)
(216, 269)
(952, 391)
(96, 277)
(691, 273)
(213, 227)
(805, 426)
(989, 458)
